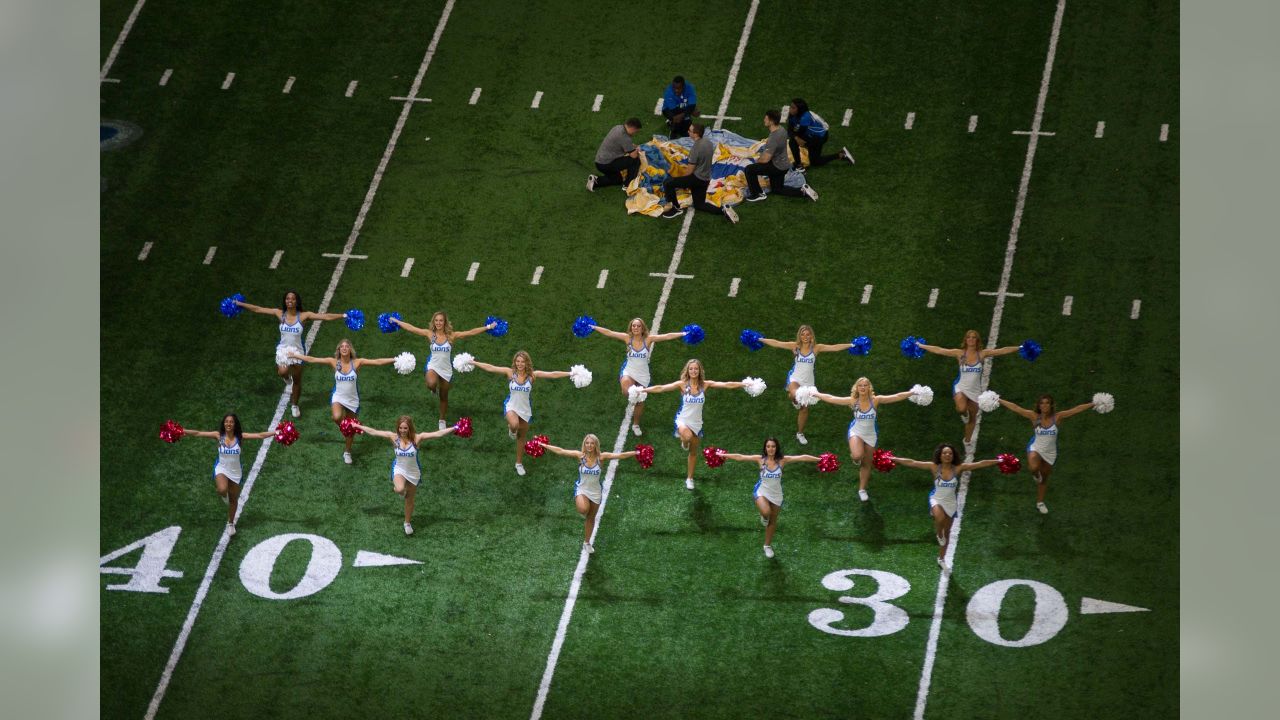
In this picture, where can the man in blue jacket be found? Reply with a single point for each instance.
(679, 106)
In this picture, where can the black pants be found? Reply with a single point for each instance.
(814, 144)
(613, 171)
(776, 176)
(696, 186)
(679, 128)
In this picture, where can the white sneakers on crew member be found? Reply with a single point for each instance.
(591, 183)
(346, 458)
(731, 214)
(688, 483)
(635, 430)
(800, 438)
(757, 198)
(845, 154)
(672, 212)
(768, 551)
(810, 193)
(863, 496)
(520, 469)
(1044, 509)
(296, 412)
(408, 528)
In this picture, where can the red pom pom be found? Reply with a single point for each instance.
(171, 431)
(347, 426)
(713, 455)
(286, 433)
(644, 456)
(534, 448)
(828, 462)
(1009, 463)
(882, 460)
(463, 427)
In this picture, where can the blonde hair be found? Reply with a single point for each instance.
(644, 328)
(964, 346)
(528, 363)
(702, 373)
(337, 350)
(413, 432)
(813, 338)
(871, 389)
(448, 326)
(590, 436)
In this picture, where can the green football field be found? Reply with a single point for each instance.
(1017, 173)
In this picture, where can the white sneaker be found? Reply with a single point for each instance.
(964, 417)
(1044, 509)
(764, 521)
(408, 528)
(635, 430)
(800, 438)
(296, 412)
(591, 183)
(587, 546)
(346, 458)
(520, 469)
(810, 193)
(844, 153)
(731, 214)
(511, 433)
(442, 425)
(863, 496)
(768, 551)
(688, 483)
(231, 529)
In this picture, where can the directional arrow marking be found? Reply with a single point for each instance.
(1090, 606)
(364, 558)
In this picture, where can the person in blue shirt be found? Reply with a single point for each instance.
(805, 127)
(679, 106)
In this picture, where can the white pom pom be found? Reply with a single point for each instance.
(753, 385)
(580, 376)
(988, 401)
(921, 395)
(806, 395)
(636, 394)
(1104, 402)
(464, 362)
(282, 355)
(405, 362)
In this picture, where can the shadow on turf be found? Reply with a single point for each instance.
(869, 530)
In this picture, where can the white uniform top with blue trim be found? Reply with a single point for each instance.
(690, 413)
(769, 486)
(406, 463)
(344, 388)
(864, 424)
(291, 336)
(1045, 440)
(802, 370)
(969, 381)
(441, 359)
(228, 463)
(588, 480)
(518, 398)
(636, 363)
(943, 493)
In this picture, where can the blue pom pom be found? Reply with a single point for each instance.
(860, 345)
(693, 334)
(355, 319)
(911, 347)
(582, 327)
(229, 307)
(499, 326)
(385, 324)
(751, 339)
(1030, 350)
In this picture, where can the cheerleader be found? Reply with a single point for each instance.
(635, 366)
(587, 492)
(517, 407)
(291, 317)
(1042, 451)
(693, 387)
(344, 401)
(946, 470)
(226, 471)
(768, 490)
(805, 351)
(439, 372)
(406, 469)
(862, 432)
(968, 383)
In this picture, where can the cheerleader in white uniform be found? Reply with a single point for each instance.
(768, 490)
(291, 317)
(635, 366)
(863, 434)
(946, 470)
(439, 371)
(1042, 451)
(693, 387)
(968, 383)
(406, 470)
(344, 401)
(226, 471)
(518, 408)
(804, 349)
(587, 492)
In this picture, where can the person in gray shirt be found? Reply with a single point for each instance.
(616, 154)
(701, 157)
(774, 164)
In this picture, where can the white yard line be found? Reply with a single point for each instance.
(604, 277)
(1135, 310)
(226, 82)
(800, 286)
(657, 107)
(124, 33)
(973, 123)
(866, 293)
(208, 257)
(275, 260)
(288, 85)
(944, 578)
(351, 88)
(471, 274)
(848, 115)
(475, 97)
(933, 298)
(595, 106)
(219, 551)
(911, 121)
(733, 287)
(575, 585)
(1066, 304)
(408, 265)
(164, 78)
(1164, 132)
(537, 275)
(1100, 129)
(146, 250)
(537, 100)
